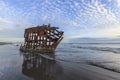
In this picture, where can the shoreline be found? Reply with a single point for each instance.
(83, 71)
(41, 66)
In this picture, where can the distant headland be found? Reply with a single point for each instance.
(3, 43)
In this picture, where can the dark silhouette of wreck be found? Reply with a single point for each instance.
(41, 39)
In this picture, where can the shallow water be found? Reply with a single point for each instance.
(102, 55)
(15, 65)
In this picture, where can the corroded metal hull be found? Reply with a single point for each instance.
(41, 39)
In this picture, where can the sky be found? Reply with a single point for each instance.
(77, 18)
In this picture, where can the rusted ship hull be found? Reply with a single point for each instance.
(41, 39)
(37, 50)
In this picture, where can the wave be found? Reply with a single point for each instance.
(114, 50)
(108, 65)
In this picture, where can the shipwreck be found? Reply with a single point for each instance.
(41, 39)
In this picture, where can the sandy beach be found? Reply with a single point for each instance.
(16, 65)
(82, 71)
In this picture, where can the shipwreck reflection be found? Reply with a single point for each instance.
(40, 68)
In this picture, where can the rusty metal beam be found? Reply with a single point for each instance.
(44, 37)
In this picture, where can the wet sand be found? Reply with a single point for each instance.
(81, 71)
(15, 65)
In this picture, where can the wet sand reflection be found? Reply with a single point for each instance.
(39, 67)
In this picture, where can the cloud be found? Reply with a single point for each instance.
(118, 3)
(5, 24)
(1, 29)
(11, 39)
(113, 30)
(106, 31)
(92, 21)
(5, 21)
(72, 12)
(81, 18)
(97, 12)
(110, 30)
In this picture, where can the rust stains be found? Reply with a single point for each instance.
(42, 38)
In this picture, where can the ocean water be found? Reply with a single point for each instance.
(102, 55)
(16, 65)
